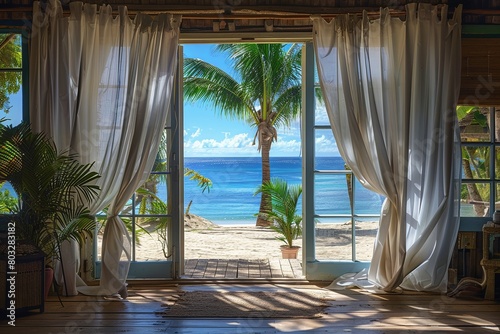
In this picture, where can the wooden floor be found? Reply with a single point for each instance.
(349, 311)
(243, 268)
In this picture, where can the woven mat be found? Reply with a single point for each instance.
(256, 304)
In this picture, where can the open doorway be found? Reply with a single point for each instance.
(339, 214)
(222, 237)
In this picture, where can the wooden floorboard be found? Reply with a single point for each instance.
(232, 269)
(242, 268)
(352, 311)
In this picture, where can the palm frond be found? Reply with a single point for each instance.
(283, 209)
(53, 186)
(209, 84)
(288, 106)
(203, 182)
(266, 78)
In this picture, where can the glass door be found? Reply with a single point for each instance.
(340, 216)
(153, 213)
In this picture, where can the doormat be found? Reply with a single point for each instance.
(250, 304)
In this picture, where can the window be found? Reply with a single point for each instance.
(354, 213)
(147, 214)
(480, 192)
(12, 73)
(11, 77)
(148, 211)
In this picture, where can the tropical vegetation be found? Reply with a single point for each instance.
(10, 60)
(283, 213)
(475, 125)
(7, 200)
(265, 92)
(53, 188)
(152, 209)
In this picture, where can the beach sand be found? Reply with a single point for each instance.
(205, 240)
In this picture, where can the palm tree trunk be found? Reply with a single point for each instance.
(265, 200)
(474, 195)
(348, 178)
(7, 40)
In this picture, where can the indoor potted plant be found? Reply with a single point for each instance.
(283, 213)
(53, 188)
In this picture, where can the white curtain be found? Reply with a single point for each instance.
(101, 87)
(390, 89)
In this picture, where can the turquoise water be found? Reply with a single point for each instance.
(232, 200)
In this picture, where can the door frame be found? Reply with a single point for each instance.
(313, 269)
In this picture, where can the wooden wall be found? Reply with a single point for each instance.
(480, 79)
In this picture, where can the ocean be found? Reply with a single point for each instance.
(232, 201)
(235, 180)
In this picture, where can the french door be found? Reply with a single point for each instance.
(340, 216)
(154, 212)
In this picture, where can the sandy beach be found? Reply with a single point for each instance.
(205, 240)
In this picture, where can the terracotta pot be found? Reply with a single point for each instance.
(49, 277)
(289, 252)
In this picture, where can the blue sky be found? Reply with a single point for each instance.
(206, 133)
(16, 111)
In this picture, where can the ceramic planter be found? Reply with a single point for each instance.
(289, 252)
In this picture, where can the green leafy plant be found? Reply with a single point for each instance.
(53, 188)
(283, 215)
(475, 126)
(10, 58)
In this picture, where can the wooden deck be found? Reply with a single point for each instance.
(352, 311)
(243, 268)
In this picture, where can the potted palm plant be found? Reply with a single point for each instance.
(284, 199)
(53, 189)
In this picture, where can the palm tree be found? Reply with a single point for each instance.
(285, 199)
(475, 125)
(265, 92)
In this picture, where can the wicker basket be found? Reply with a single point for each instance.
(28, 274)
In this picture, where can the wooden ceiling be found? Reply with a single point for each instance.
(261, 16)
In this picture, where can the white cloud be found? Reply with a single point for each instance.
(237, 145)
(288, 145)
(320, 115)
(240, 145)
(326, 146)
(292, 130)
(287, 148)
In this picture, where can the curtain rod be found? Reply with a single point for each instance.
(234, 14)
(231, 14)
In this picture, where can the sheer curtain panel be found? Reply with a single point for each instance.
(390, 88)
(101, 87)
